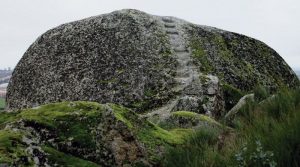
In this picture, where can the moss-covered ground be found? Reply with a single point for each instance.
(66, 121)
(11, 147)
(76, 122)
(64, 159)
(151, 135)
(196, 116)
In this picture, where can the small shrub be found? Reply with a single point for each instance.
(255, 157)
(281, 104)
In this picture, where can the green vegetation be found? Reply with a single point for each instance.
(76, 122)
(153, 98)
(166, 53)
(67, 120)
(232, 94)
(195, 116)
(164, 39)
(219, 55)
(63, 159)
(2, 104)
(200, 55)
(262, 133)
(261, 93)
(123, 114)
(11, 147)
(199, 150)
(155, 137)
(265, 134)
(6, 117)
(151, 135)
(275, 124)
(154, 132)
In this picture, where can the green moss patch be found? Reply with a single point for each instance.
(76, 122)
(63, 159)
(123, 114)
(196, 116)
(151, 135)
(6, 117)
(155, 138)
(11, 148)
(174, 136)
(67, 120)
(200, 55)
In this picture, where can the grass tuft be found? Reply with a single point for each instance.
(265, 134)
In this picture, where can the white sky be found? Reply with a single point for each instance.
(275, 22)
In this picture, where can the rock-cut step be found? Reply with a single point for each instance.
(183, 63)
(183, 80)
(167, 20)
(186, 72)
(181, 49)
(172, 31)
(175, 43)
(174, 37)
(170, 25)
(183, 55)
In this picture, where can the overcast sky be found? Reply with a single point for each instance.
(275, 22)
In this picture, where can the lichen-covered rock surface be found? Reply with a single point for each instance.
(145, 62)
(122, 57)
(83, 134)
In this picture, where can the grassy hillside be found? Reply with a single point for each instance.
(2, 103)
(263, 134)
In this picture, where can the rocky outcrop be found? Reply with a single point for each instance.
(151, 64)
(82, 134)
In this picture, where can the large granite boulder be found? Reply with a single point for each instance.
(146, 63)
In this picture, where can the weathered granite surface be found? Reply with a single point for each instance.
(146, 63)
(122, 57)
